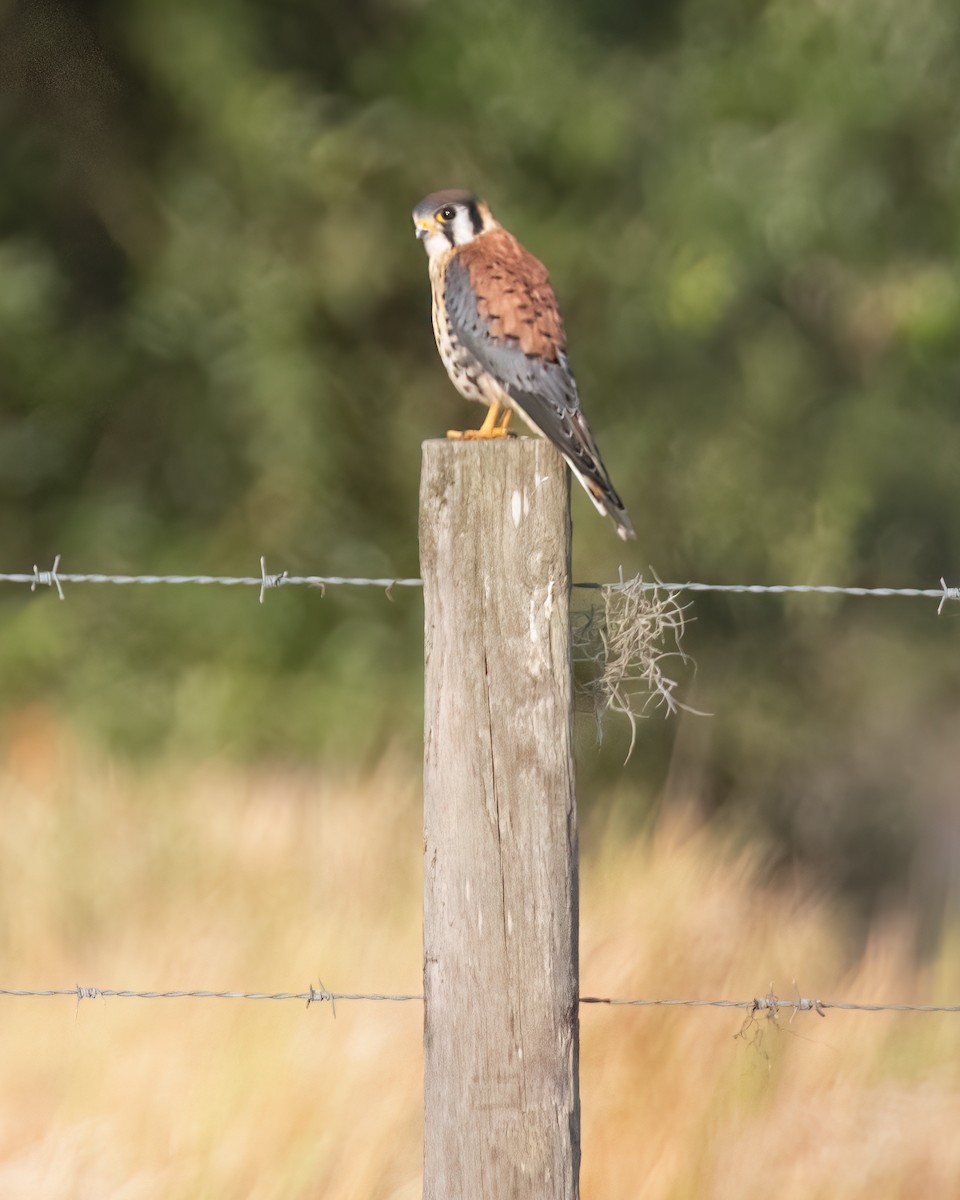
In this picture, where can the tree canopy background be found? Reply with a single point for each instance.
(215, 344)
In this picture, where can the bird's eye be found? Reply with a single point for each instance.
(447, 213)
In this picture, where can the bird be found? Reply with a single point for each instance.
(501, 337)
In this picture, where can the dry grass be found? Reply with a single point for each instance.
(628, 642)
(219, 879)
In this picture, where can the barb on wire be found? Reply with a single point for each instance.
(319, 994)
(47, 578)
(270, 581)
(768, 1003)
(55, 578)
(949, 593)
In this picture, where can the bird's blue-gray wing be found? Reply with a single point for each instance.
(495, 315)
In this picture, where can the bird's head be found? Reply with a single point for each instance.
(452, 218)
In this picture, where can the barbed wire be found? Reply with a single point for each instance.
(769, 1003)
(943, 593)
(55, 578)
(313, 995)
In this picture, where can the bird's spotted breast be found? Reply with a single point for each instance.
(466, 373)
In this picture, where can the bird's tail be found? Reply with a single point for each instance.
(585, 462)
(571, 435)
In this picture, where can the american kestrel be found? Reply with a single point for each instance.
(500, 336)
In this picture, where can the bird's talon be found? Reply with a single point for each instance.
(478, 435)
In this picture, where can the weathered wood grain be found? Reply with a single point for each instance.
(501, 1025)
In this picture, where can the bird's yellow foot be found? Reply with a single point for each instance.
(477, 435)
(494, 426)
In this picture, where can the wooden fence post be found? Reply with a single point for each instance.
(500, 932)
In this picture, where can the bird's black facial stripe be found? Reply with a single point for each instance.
(475, 219)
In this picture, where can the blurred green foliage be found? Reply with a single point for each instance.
(215, 343)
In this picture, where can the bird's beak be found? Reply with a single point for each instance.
(423, 228)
